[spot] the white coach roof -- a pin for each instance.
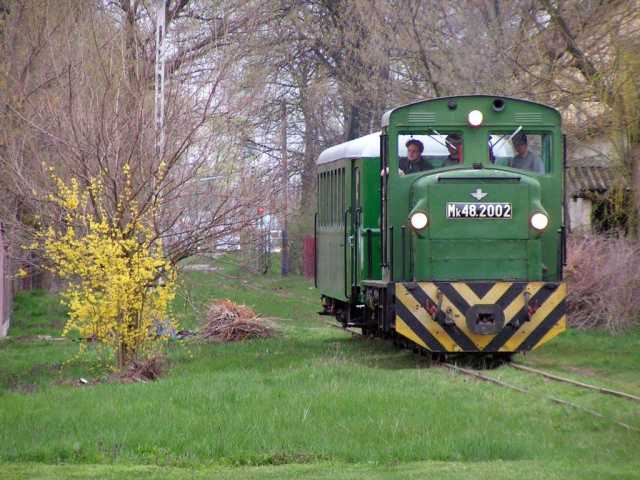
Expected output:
(367, 146)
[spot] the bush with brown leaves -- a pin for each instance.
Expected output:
(229, 322)
(142, 370)
(603, 277)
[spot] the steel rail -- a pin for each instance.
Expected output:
(558, 378)
(485, 378)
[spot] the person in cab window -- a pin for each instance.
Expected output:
(414, 162)
(525, 158)
(454, 145)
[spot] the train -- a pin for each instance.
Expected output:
(445, 229)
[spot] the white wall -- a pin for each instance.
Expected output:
(579, 214)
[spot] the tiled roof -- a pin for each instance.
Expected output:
(581, 180)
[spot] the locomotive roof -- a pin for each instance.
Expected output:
(387, 114)
(367, 146)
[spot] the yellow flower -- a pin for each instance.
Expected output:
(120, 285)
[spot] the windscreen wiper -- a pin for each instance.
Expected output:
(503, 136)
(445, 144)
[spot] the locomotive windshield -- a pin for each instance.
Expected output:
(425, 152)
(522, 150)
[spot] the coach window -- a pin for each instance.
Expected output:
(319, 196)
(327, 187)
(325, 199)
(339, 197)
(342, 196)
(417, 153)
(332, 198)
(356, 190)
(520, 149)
(322, 199)
(338, 217)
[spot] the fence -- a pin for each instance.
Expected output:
(309, 256)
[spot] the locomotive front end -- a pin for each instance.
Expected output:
(477, 266)
(446, 229)
(476, 260)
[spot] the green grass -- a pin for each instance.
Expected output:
(498, 470)
(34, 356)
(292, 299)
(311, 402)
(594, 356)
(37, 313)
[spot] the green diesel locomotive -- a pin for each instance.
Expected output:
(446, 229)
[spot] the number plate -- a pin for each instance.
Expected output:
(478, 210)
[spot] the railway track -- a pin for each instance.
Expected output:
(486, 378)
(548, 375)
(586, 386)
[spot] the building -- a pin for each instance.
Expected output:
(591, 178)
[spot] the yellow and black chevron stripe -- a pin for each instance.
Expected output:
(434, 314)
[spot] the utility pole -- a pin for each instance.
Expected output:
(284, 261)
(5, 292)
(161, 24)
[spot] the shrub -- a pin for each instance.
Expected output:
(603, 276)
(119, 285)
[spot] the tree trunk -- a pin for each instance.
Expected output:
(353, 128)
(311, 152)
(634, 226)
(5, 291)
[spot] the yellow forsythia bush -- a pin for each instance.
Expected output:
(119, 285)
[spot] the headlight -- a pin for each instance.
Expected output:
(539, 221)
(419, 220)
(475, 118)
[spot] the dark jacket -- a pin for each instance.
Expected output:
(412, 167)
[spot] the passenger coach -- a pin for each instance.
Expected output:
(459, 249)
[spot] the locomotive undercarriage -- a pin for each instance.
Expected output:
(497, 318)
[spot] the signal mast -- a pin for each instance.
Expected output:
(161, 23)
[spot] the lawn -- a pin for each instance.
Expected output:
(312, 402)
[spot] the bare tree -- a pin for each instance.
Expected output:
(583, 58)
(81, 102)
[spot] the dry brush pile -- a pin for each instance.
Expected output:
(603, 276)
(229, 322)
(143, 370)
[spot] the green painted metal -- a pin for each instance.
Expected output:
(334, 204)
(447, 249)
(359, 241)
(476, 249)
(366, 192)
